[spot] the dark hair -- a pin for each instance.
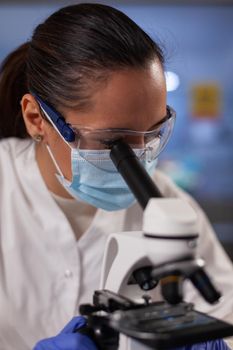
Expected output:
(76, 48)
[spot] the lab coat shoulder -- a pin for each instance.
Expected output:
(10, 150)
(6, 163)
(14, 201)
(10, 166)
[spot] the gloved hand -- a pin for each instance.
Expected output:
(218, 344)
(67, 340)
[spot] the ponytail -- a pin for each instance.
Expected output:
(13, 85)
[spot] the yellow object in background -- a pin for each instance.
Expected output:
(206, 100)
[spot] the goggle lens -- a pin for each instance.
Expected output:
(149, 144)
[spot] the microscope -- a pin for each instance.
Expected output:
(123, 316)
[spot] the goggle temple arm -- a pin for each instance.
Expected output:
(57, 120)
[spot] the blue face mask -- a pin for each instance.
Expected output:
(97, 181)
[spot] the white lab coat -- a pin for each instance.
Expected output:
(45, 273)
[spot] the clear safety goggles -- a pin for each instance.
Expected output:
(148, 144)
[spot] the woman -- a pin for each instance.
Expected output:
(87, 71)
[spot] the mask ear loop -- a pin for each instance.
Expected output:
(55, 162)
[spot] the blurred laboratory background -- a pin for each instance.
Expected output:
(197, 40)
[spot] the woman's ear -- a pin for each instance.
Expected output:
(34, 122)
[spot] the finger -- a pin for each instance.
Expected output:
(72, 341)
(218, 344)
(76, 323)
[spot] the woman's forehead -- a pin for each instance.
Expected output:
(132, 97)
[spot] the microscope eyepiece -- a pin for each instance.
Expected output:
(133, 172)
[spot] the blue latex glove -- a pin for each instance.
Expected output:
(67, 340)
(218, 344)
